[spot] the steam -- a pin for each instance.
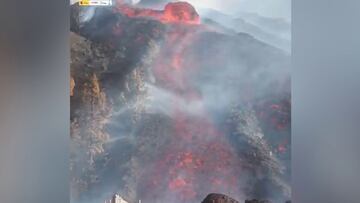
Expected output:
(193, 127)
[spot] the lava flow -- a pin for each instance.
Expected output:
(183, 150)
(199, 158)
(175, 12)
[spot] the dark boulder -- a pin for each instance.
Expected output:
(218, 198)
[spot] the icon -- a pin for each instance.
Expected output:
(95, 2)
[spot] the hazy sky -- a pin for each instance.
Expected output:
(269, 8)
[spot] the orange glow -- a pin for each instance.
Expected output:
(282, 148)
(180, 12)
(198, 153)
(177, 183)
(176, 12)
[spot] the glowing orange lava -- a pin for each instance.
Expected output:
(199, 158)
(180, 12)
(175, 12)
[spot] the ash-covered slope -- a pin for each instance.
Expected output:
(276, 32)
(172, 110)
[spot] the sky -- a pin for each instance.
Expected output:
(267, 8)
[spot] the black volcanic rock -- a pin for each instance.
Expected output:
(218, 198)
(256, 201)
(113, 57)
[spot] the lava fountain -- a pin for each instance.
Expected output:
(175, 12)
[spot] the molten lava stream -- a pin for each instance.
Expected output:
(199, 158)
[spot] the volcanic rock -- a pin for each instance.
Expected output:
(115, 65)
(256, 201)
(72, 85)
(118, 199)
(218, 198)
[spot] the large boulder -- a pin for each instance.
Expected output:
(218, 198)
